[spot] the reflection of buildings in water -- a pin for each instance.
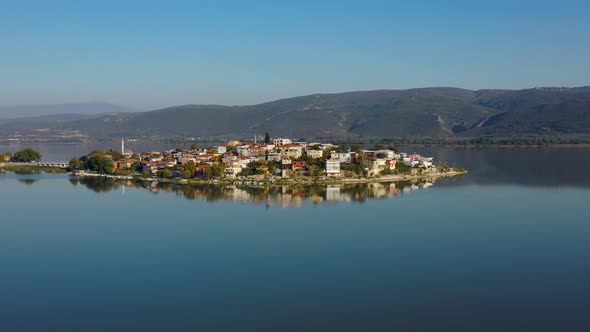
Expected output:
(392, 189)
(153, 187)
(377, 190)
(427, 185)
(278, 196)
(316, 199)
(333, 193)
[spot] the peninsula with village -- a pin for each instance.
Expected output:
(261, 161)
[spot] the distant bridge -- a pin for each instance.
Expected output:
(55, 165)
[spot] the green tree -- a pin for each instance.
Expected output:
(194, 146)
(402, 168)
(6, 156)
(74, 163)
(186, 174)
(100, 163)
(267, 139)
(164, 173)
(246, 171)
(387, 171)
(342, 149)
(362, 161)
(116, 155)
(188, 170)
(253, 168)
(315, 171)
(273, 166)
(27, 155)
(136, 167)
(215, 171)
(97, 152)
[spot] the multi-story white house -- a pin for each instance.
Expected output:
(314, 153)
(273, 156)
(292, 151)
(228, 158)
(281, 141)
(245, 161)
(232, 171)
(332, 167)
(343, 157)
(244, 150)
(220, 149)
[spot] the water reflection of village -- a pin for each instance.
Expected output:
(277, 196)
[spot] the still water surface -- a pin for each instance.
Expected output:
(503, 248)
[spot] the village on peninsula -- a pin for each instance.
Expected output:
(262, 160)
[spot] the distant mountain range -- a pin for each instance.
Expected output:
(424, 112)
(27, 111)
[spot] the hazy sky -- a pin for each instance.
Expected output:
(150, 54)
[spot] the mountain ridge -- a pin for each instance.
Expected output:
(82, 108)
(419, 112)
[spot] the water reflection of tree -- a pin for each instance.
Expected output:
(28, 182)
(210, 193)
(26, 171)
(96, 184)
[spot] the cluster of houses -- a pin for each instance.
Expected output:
(289, 156)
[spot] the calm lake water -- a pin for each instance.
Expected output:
(504, 248)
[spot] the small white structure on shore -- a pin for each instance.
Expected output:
(129, 152)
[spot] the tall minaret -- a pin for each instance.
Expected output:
(122, 145)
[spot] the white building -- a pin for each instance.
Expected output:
(244, 162)
(244, 150)
(273, 156)
(332, 167)
(314, 153)
(281, 141)
(232, 171)
(228, 158)
(389, 154)
(343, 157)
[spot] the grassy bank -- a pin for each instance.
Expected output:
(33, 169)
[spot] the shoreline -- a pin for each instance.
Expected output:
(283, 181)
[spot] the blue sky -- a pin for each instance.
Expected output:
(150, 54)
